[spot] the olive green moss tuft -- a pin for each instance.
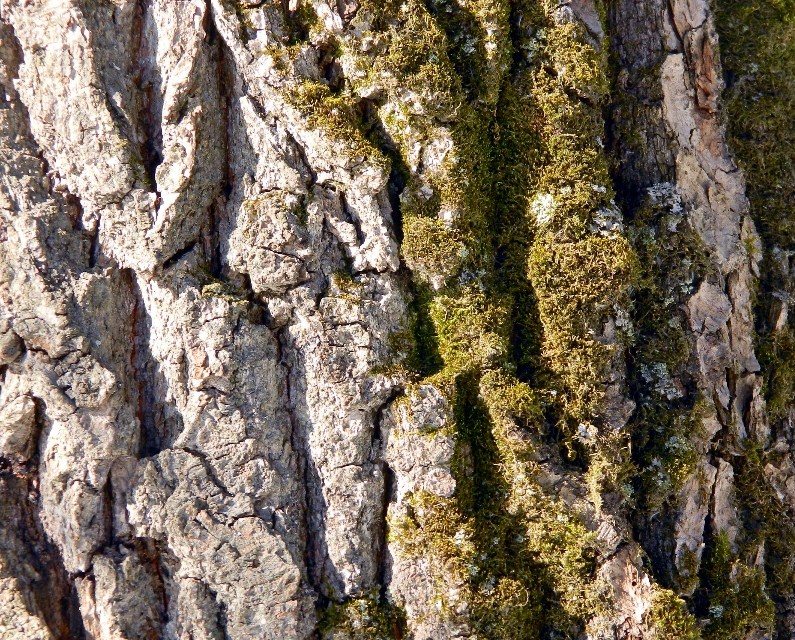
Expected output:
(506, 270)
(366, 618)
(736, 594)
(431, 249)
(337, 117)
(579, 284)
(767, 519)
(582, 269)
(670, 619)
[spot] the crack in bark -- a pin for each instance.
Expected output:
(140, 363)
(176, 257)
(211, 241)
(313, 554)
(208, 469)
(151, 107)
(389, 493)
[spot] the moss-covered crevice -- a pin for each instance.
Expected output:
(732, 600)
(367, 618)
(490, 115)
(580, 265)
(670, 618)
(765, 561)
(502, 273)
(668, 437)
(758, 55)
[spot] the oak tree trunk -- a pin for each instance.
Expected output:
(391, 319)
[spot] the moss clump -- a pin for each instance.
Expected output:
(431, 249)
(223, 290)
(668, 436)
(687, 569)
(477, 32)
(758, 51)
(212, 287)
(503, 600)
(737, 600)
(337, 117)
(367, 618)
(524, 561)
(580, 266)
(518, 145)
(424, 359)
(575, 170)
(470, 329)
(777, 355)
(445, 209)
(536, 562)
(343, 284)
(769, 520)
(669, 618)
(579, 284)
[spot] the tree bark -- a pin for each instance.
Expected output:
(391, 319)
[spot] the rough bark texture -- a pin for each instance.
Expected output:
(390, 319)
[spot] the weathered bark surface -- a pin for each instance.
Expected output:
(381, 319)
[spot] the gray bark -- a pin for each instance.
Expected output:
(221, 413)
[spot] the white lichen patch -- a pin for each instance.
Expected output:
(543, 208)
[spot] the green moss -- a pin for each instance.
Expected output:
(687, 571)
(421, 82)
(344, 283)
(579, 284)
(431, 249)
(424, 359)
(525, 560)
(367, 618)
(579, 67)
(536, 562)
(304, 22)
(667, 428)
(575, 171)
(768, 520)
(510, 564)
(518, 150)
(337, 117)
(470, 330)
(581, 268)
(737, 597)
(670, 619)
(477, 32)
(777, 355)
(224, 290)
(758, 52)
(212, 287)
